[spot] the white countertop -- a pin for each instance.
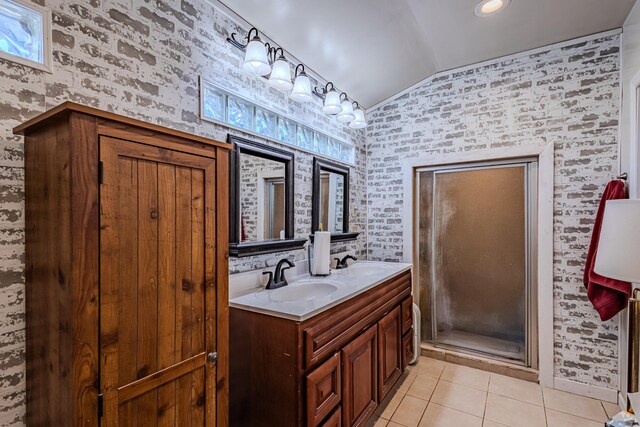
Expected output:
(330, 291)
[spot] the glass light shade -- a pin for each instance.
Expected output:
(280, 75)
(301, 91)
(619, 243)
(359, 122)
(332, 102)
(255, 58)
(346, 115)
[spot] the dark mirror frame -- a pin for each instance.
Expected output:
(243, 249)
(320, 165)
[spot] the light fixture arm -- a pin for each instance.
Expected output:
(272, 53)
(239, 44)
(321, 92)
(346, 97)
(301, 68)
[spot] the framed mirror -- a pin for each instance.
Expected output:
(261, 199)
(330, 200)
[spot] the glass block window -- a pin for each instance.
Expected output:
(286, 131)
(24, 33)
(239, 113)
(213, 104)
(304, 138)
(266, 123)
(223, 107)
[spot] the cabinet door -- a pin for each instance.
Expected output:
(323, 390)
(157, 286)
(389, 351)
(360, 378)
(335, 420)
(407, 348)
(407, 314)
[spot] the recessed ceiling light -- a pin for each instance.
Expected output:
(491, 7)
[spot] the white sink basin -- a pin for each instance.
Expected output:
(303, 290)
(365, 269)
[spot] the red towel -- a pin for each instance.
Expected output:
(608, 296)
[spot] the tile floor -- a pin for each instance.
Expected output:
(439, 394)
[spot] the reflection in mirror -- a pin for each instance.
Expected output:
(262, 198)
(331, 202)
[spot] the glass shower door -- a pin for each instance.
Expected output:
(474, 257)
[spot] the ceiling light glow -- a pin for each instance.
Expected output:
(491, 7)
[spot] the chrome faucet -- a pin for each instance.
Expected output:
(342, 263)
(277, 279)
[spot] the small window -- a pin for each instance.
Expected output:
(25, 34)
(320, 143)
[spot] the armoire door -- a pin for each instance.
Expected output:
(360, 378)
(157, 286)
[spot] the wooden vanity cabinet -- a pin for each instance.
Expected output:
(126, 272)
(330, 370)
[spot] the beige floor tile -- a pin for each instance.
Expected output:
(406, 381)
(409, 411)
(514, 413)
(560, 419)
(461, 398)
(611, 408)
(468, 377)
(441, 416)
(392, 424)
(489, 423)
(380, 422)
(431, 367)
(516, 389)
(422, 387)
(391, 407)
(573, 404)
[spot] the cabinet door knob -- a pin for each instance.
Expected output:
(212, 357)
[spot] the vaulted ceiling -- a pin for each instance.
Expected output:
(373, 49)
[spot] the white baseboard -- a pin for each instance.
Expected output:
(622, 401)
(600, 393)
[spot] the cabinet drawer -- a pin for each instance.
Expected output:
(344, 322)
(407, 314)
(335, 420)
(407, 348)
(323, 390)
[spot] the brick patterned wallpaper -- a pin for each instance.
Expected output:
(565, 95)
(140, 58)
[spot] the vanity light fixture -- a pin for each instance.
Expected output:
(269, 62)
(301, 91)
(360, 121)
(280, 77)
(256, 58)
(346, 115)
(490, 7)
(331, 99)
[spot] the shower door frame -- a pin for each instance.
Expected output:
(545, 154)
(530, 165)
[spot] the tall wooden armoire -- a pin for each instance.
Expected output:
(126, 272)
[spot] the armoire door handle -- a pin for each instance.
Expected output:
(212, 357)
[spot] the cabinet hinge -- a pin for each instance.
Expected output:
(100, 407)
(100, 172)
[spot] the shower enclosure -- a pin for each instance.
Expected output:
(475, 258)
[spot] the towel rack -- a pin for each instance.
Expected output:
(623, 176)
